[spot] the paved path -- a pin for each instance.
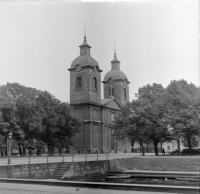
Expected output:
(82, 157)
(67, 158)
(11, 188)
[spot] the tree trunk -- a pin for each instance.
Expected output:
(155, 142)
(50, 150)
(59, 150)
(132, 145)
(23, 150)
(67, 149)
(20, 149)
(179, 147)
(6, 152)
(143, 153)
(189, 145)
(3, 152)
(20, 153)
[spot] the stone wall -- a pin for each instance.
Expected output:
(29, 171)
(83, 170)
(77, 170)
(116, 166)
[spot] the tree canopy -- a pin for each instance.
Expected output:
(33, 114)
(161, 114)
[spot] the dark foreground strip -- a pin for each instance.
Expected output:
(115, 186)
(162, 173)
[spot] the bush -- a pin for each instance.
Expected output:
(174, 152)
(187, 151)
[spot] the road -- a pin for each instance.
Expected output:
(11, 188)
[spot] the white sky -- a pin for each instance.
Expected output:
(156, 41)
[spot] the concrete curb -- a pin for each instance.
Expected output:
(163, 172)
(114, 186)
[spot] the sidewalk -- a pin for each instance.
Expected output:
(15, 160)
(66, 158)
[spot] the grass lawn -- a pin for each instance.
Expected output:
(169, 163)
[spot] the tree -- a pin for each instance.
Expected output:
(59, 123)
(121, 124)
(143, 117)
(67, 124)
(195, 140)
(8, 121)
(182, 102)
(25, 113)
(40, 116)
(131, 124)
(151, 104)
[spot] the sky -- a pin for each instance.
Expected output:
(156, 41)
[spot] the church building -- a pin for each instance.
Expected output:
(85, 96)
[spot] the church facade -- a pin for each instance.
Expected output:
(85, 96)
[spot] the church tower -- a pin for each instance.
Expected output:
(95, 134)
(85, 97)
(85, 77)
(116, 83)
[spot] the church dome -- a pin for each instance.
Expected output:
(84, 60)
(115, 74)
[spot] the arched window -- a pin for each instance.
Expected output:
(111, 90)
(78, 83)
(94, 83)
(124, 94)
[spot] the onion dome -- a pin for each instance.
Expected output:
(115, 72)
(84, 58)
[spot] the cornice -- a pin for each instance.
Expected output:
(85, 66)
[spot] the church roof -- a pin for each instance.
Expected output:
(105, 101)
(84, 60)
(110, 103)
(85, 43)
(115, 72)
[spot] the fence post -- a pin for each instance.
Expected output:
(29, 162)
(73, 160)
(114, 167)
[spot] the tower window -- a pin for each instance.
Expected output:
(78, 83)
(124, 93)
(111, 90)
(94, 84)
